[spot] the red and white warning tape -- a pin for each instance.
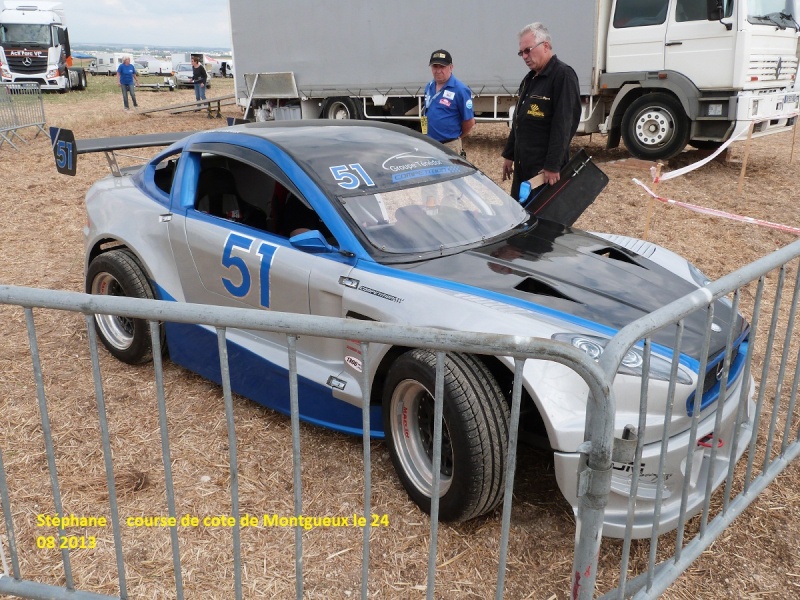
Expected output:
(719, 213)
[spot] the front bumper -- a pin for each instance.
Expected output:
(616, 513)
(770, 111)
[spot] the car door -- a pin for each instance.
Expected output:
(228, 262)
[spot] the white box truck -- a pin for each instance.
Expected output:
(106, 63)
(34, 46)
(655, 73)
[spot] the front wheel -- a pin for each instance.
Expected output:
(654, 126)
(475, 433)
(118, 273)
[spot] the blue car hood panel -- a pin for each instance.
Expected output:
(582, 276)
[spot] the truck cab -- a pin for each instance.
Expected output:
(698, 71)
(34, 46)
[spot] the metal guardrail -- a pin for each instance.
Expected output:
(774, 443)
(775, 440)
(21, 106)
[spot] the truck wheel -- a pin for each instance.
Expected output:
(340, 108)
(84, 82)
(655, 127)
(475, 433)
(118, 273)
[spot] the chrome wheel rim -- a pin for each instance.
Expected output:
(117, 330)
(412, 425)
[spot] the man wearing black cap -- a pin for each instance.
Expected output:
(448, 115)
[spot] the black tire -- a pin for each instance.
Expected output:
(705, 144)
(475, 433)
(655, 127)
(84, 81)
(118, 273)
(340, 107)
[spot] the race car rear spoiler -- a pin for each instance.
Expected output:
(66, 148)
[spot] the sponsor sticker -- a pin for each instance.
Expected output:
(444, 101)
(353, 362)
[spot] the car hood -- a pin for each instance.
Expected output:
(582, 277)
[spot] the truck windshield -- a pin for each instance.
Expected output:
(776, 13)
(25, 34)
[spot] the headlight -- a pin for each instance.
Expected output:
(594, 346)
(52, 73)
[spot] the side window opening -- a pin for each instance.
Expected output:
(640, 13)
(690, 10)
(165, 174)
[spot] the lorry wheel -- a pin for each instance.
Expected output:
(474, 433)
(118, 273)
(339, 108)
(655, 127)
(84, 82)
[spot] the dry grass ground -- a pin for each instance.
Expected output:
(42, 246)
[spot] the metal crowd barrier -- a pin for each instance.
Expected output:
(21, 106)
(759, 291)
(775, 442)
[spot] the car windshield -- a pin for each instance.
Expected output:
(184, 67)
(435, 216)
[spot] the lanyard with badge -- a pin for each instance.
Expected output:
(423, 120)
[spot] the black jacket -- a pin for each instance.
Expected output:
(199, 74)
(546, 117)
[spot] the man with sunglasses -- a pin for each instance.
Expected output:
(448, 115)
(547, 113)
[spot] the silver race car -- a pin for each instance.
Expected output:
(377, 222)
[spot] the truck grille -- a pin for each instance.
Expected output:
(772, 68)
(38, 64)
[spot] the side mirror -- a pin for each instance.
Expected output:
(311, 241)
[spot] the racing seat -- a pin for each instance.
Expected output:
(217, 195)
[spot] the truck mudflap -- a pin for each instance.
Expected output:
(675, 469)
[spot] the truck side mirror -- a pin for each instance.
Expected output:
(715, 10)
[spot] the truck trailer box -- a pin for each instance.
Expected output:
(654, 73)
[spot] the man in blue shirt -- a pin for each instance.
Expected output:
(448, 115)
(127, 79)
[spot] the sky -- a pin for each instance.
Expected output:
(194, 23)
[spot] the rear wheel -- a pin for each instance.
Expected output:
(340, 108)
(118, 273)
(654, 126)
(475, 433)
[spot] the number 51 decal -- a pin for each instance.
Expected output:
(235, 262)
(351, 176)
(63, 141)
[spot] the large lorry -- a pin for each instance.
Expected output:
(654, 73)
(34, 46)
